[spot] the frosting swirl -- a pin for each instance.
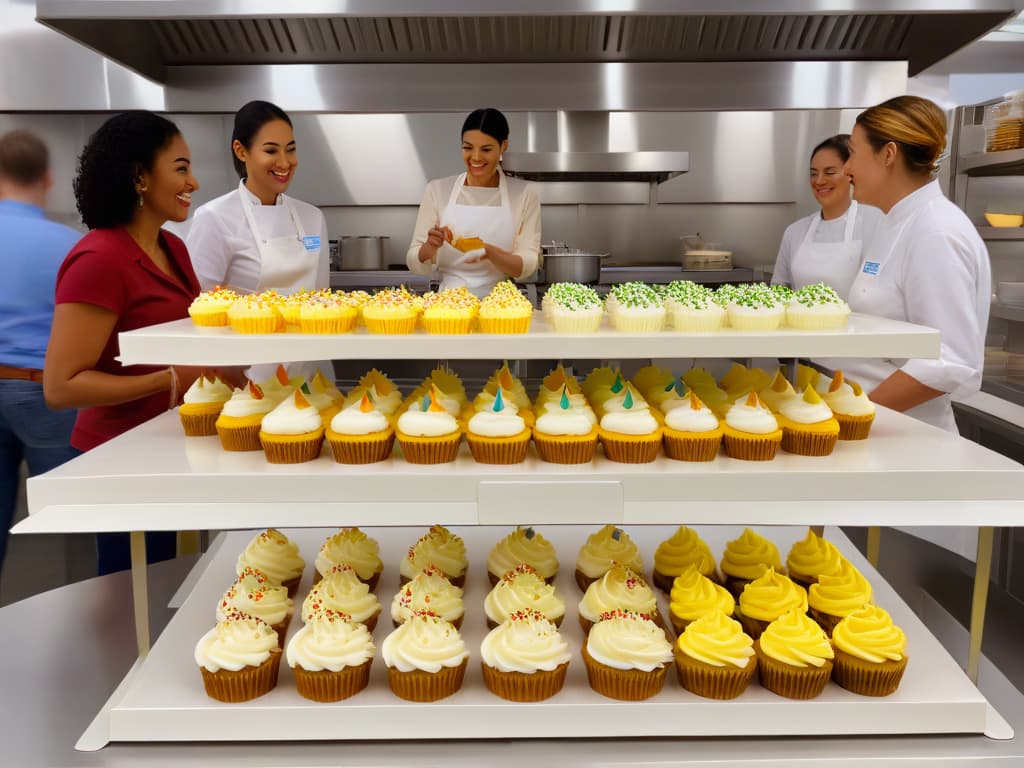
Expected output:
(869, 634)
(438, 547)
(207, 390)
(427, 423)
(354, 547)
(750, 416)
(496, 424)
(274, 554)
(682, 549)
(523, 545)
(628, 641)
(620, 588)
(526, 642)
(606, 547)
(425, 643)
(237, 642)
(293, 416)
(341, 590)
(694, 595)
(429, 591)
(355, 421)
(718, 640)
(254, 595)
(809, 409)
(813, 556)
(795, 639)
(330, 643)
(691, 416)
(842, 593)
(771, 595)
(749, 556)
(522, 589)
(248, 402)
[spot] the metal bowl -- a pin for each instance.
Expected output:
(573, 267)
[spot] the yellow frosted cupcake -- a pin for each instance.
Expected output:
(812, 557)
(391, 311)
(601, 551)
(807, 425)
(341, 590)
(256, 313)
(871, 652)
(525, 658)
(505, 310)
(429, 590)
(692, 432)
(750, 431)
(452, 311)
(360, 434)
(834, 597)
(626, 656)
(794, 657)
(210, 308)
(677, 553)
(202, 404)
(353, 547)
(694, 595)
(747, 558)
(628, 431)
(238, 659)
(293, 432)
(714, 658)
(497, 434)
(850, 407)
(520, 589)
(777, 392)
(427, 433)
(326, 314)
(523, 545)
(620, 588)
(439, 547)
(766, 598)
(238, 424)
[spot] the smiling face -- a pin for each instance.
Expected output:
(270, 161)
(867, 168)
(831, 187)
(481, 154)
(169, 184)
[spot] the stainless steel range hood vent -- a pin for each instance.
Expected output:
(650, 167)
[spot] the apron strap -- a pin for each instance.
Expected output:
(851, 218)
(247, 209)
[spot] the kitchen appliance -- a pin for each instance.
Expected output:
(570, 265)
(701, 254)
(362, 252)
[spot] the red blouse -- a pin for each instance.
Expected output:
(107, 268)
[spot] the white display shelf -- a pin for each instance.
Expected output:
(180, 342)
(155, 478)
(165, 701)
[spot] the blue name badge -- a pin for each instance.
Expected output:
(871, 267)
(312, 242)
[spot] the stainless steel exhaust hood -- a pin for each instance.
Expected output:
(650, 167)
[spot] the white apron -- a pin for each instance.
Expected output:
(287, 264)
(494, 225)
(832, 263)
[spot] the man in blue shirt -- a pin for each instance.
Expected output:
(31, 251)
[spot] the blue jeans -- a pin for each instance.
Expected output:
(31, 432)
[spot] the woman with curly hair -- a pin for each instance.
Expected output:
(133, 175)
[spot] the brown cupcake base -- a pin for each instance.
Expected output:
(809, 443)
(623, 684)
(854, 427)
(711, 682)
(325, 685)
(865, 677)
(664, 582)
(245, 684)
(520, 686)
(789, 681)
(421, 686)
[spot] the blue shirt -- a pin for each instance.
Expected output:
(32, 248)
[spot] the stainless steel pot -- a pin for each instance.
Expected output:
(571, 266)
(362, 252)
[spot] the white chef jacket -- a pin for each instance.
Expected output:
(523, 198)
(829, 232)
(927, 265)
(223, 248)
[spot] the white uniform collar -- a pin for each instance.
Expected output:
(253, 199)
(913, 201)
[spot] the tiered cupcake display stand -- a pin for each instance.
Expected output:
(154, 478)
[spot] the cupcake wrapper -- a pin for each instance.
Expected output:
(448, 326)
(430, 450)
(753, 627)
(390, 325)
(520, 686)
(505, 325)
(766, 322)
(753, 448)
(356, 449)
(292, 585)
(199, 424)
(824, 620)
(630, 449)
(566, 449)
(791, 682)
(325, 685)
(562, 323)
(735, 585)
(297, 449)
(691, 448)
(419, 686)
(713, 682)
(854, 427)
(808, 443)
(503, 450)
(698, 323)
(328, 325)
(240, 438)
(257, 324)
(623, 684)
(866, 678)
(583, 581)
(210, 319)
(642, 324)
(245, 684)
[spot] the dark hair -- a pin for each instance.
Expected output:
(489, 121)
(248, 121)
(917, 126)
(24, 158)
(110, 164)
(840, 144)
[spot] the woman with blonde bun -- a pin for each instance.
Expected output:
(925, 264)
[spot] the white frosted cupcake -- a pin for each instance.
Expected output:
(817, 307)
(635, 307)
(426, 659)
(523, 545)
(430, 590)
(341, 590)
(202, 404)
(626, 656)
(691, 307)
(572, 308)
(755, 307)
(521, 589)
(525, 658)
(330, 657)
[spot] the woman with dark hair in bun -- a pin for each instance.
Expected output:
(256, 237)
(134, 175)
(926, 263)
(481, 226)
(827, 245)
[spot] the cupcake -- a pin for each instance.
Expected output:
(777, 392)
(429, 590)
(239, 659)
(747, 558)
(566, 433)
(202, 404)
(619, 589)
(254, 595)
(353, 547)
(439, 547)
(451, 311)
(694, 595)
(293, 432)
(812, 557)
(714, 658)
(505, 310)
(391, 311)
(523, 545)
(210, 308)
(326, 314)
(497, 434)
(256, 313)
(238, 424)
(280, 386)
(794, 657)
(626, 656)
(807, 425)
(601, 551)
(522, 589)
(871, 652)
(851, 408)
(340, 590)
(750, 431)
(630, 434)
(755, 307)
(817, 307)
(276, 556)
(427, 433)
(572, 308)
(691, 307)
(682, 549)
(524, 658)
(707, 389)
(692, 432)
(766, 598)
(383, 394)
(836, 596)
(426, 659)
(330, 657)
(635, 307)
(360, 434)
